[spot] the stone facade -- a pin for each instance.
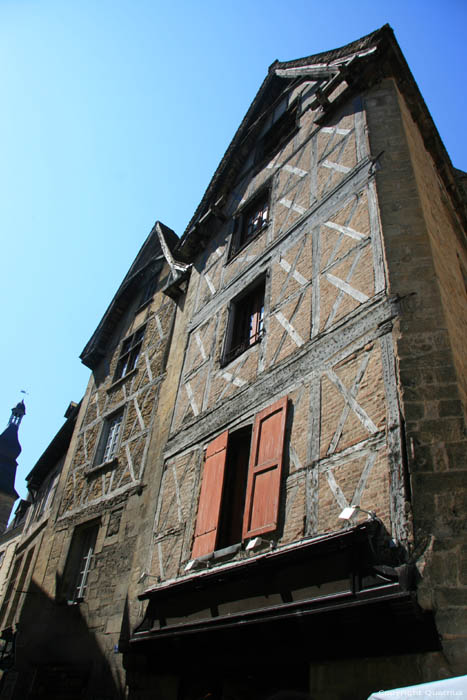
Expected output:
(426, 251)
(302, 353)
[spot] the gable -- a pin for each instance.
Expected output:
(150, 258)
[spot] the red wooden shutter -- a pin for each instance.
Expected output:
(210, 497)
(264, 473)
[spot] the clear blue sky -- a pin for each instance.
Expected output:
(115, 113)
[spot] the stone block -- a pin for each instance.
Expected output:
(457, 455)
(443, 569)
(446, 375)
(452, 622)
(450, 408)
(414, 411)
(455, 651)
(423, 458)
(113, 625)
(451, 597)
(445, 429)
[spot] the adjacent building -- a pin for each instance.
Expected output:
(265, 488)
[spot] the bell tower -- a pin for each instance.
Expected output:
(9, 451)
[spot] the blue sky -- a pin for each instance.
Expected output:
(115, 114)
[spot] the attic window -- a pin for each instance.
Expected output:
(278, 134)
(148, 291)
(129, 353)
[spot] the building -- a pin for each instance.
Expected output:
(324, 368)
(23, 544)
(92, 478)
(265, 489)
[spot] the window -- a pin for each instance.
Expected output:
(19, 588)
(148, 291)
(80, 561)
(234, 491)
(278, 134)
(7, 648)
(129, 353)
(109, 441)
(240, 486)
(45, 496)
(10, 590)
(246, 322)
(252, 220)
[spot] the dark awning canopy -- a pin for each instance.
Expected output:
(333, 590)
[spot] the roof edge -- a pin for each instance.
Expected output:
(92, 352)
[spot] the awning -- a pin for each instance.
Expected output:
(327, 590)
(448, 688)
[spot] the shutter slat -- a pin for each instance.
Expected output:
(210, 498)
(265, 470)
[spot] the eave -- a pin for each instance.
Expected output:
(55, 450)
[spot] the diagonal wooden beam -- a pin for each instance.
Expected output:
(357, 409)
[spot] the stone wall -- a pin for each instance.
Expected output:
(423, 244)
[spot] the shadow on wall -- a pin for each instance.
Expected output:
(57, 655)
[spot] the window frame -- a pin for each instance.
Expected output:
(246, 318)
(278, 134)
(130, 351)
(258, 206)
(263, 478)
(254, 207)
(147, 293)
(10, 589)
(108, 440)
(80, 561)
(19, 587)
(44, 496)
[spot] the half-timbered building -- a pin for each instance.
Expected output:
(265, 489)
(323, 379)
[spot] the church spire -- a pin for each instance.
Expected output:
(9, 451)
(17, 413)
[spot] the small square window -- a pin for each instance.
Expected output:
(110, 439)
(253, 219)
(129, 353)
(246, 322)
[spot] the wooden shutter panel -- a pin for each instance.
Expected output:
(210, 497)
(264, 473)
